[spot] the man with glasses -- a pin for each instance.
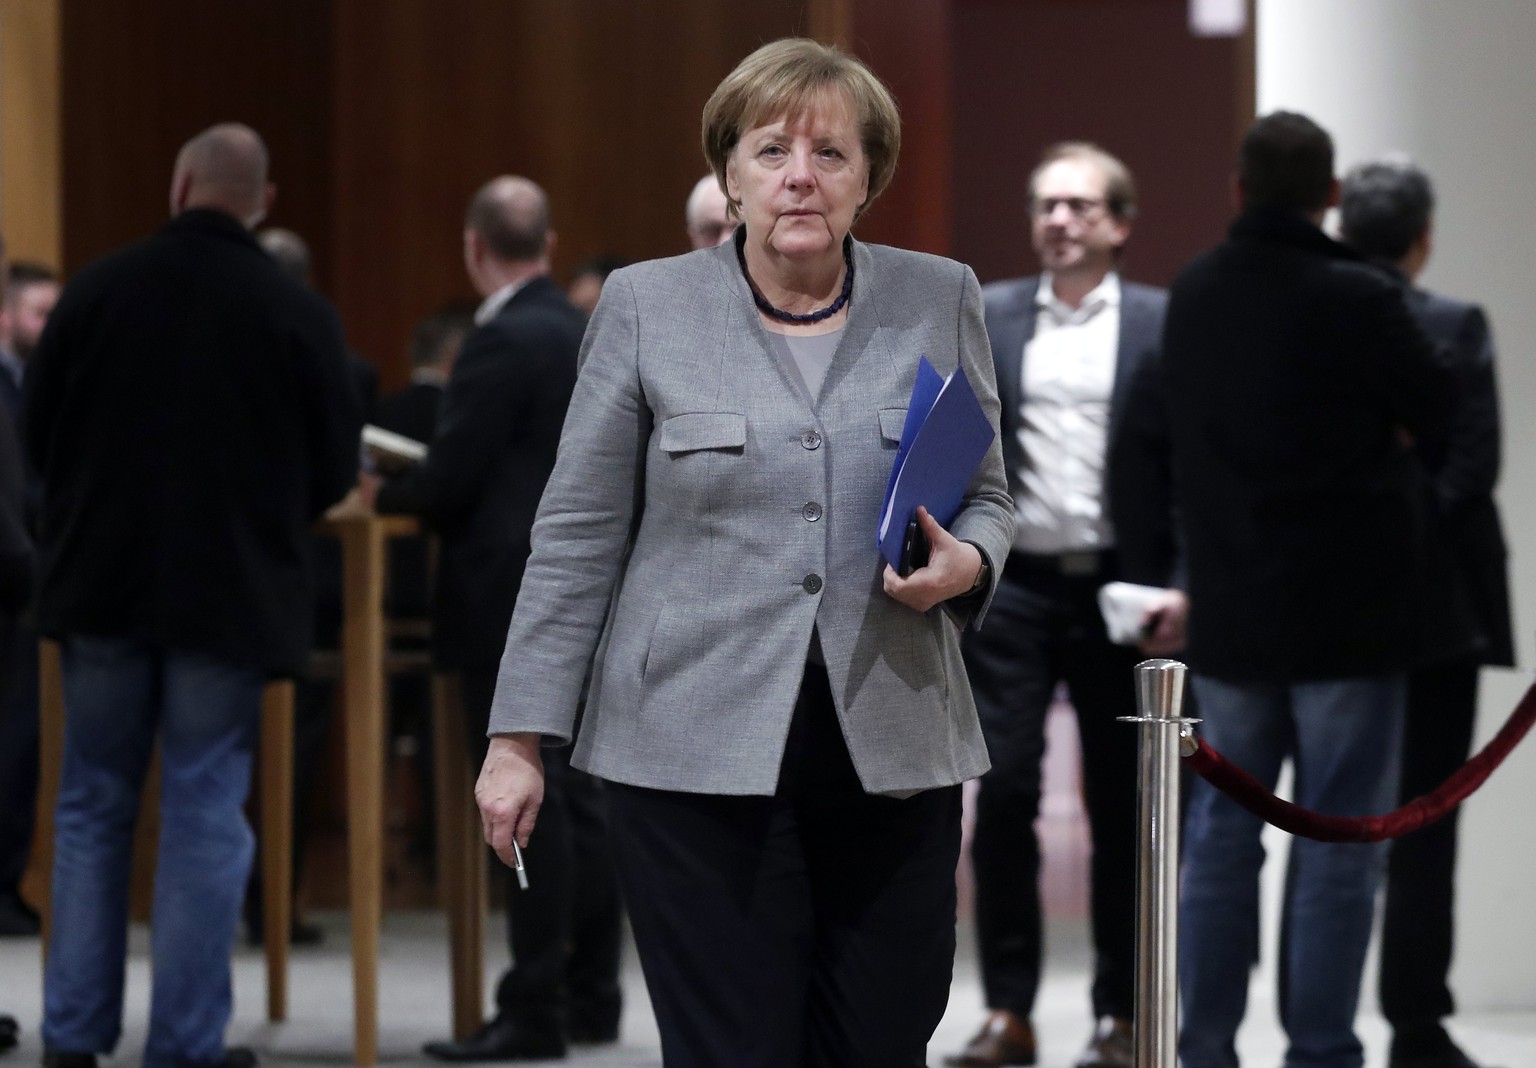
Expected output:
(1067, 344)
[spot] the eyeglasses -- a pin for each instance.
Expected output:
(1080, 207)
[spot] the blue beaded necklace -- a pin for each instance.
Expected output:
(790, 317)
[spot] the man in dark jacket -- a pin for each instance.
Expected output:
(1385, 214)
(191, 415)
(479, 487)
(1296, 381)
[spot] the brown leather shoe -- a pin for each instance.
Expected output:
(1003, 1040)
(1112, 1045)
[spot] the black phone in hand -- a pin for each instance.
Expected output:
(914, 549)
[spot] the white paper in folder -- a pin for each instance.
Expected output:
(392, 444)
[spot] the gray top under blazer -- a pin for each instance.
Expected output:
(703, 517)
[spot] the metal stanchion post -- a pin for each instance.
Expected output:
(1159, 700)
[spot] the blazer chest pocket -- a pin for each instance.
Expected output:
(891, 422)
(699, 431)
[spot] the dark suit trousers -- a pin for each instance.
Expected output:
(565, 931)
(18, 749)
(1418, 929)
(811, 929)
(1043, 628)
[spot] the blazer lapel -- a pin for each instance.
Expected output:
(1010, 329)
(1136, 324)
(863, 320)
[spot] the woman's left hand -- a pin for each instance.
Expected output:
(951, 569)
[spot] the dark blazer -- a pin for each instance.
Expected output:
(16, 557)
(1467, 586)
(494, 448)
(413, 411)
(1010, 318)
(190, 411)
(1294, 372)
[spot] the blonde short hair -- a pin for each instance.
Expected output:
(789, 77)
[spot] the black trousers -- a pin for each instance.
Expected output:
(1418, 923)
(18, 749)
(1043, 628)
(811, 929)
(565, 932)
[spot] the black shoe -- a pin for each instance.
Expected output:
(594, 1021)
(1440, 1053)
(17, 918)
(9, 1030)
(54, 1058)
(503, 1039)
(591, 1033)
(234, 1057)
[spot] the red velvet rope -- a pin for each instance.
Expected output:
(1250, 793)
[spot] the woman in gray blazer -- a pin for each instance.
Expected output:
(783, 720)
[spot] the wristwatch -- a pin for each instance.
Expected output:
(983, 574)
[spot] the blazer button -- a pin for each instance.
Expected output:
(812, 512)
(810, 440)
(812, 584)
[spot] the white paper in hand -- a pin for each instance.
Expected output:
(1124, 605)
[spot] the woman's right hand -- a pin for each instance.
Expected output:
(509, 791)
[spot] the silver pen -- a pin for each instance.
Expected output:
(517, 865)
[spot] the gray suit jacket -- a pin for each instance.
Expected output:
(702, 518)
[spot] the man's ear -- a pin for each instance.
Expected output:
(181, 185)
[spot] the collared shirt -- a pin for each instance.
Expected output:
(1065, 386)
(430, 376)
(492, 305)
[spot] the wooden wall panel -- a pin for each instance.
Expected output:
(598, 102)
(29, 129)
(1124, 73)
(908, 44)
(140, 79)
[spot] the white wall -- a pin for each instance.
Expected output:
(1452, 84)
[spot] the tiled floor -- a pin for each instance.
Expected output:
(413, 987)
(414, 1006)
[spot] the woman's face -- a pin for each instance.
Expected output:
(800, 179)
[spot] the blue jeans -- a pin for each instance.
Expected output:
(120, 694)
(1344, 737)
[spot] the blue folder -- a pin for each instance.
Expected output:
(943, 442)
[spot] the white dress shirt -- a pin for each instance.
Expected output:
(492, 305)
(1065, 386)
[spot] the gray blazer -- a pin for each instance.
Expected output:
(703, 517)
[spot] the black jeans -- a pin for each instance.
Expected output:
(565, 931)
(1044, 628)
(811, 929)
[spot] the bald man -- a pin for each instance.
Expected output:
(479, 487)
(708, 215)
(189, 409)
